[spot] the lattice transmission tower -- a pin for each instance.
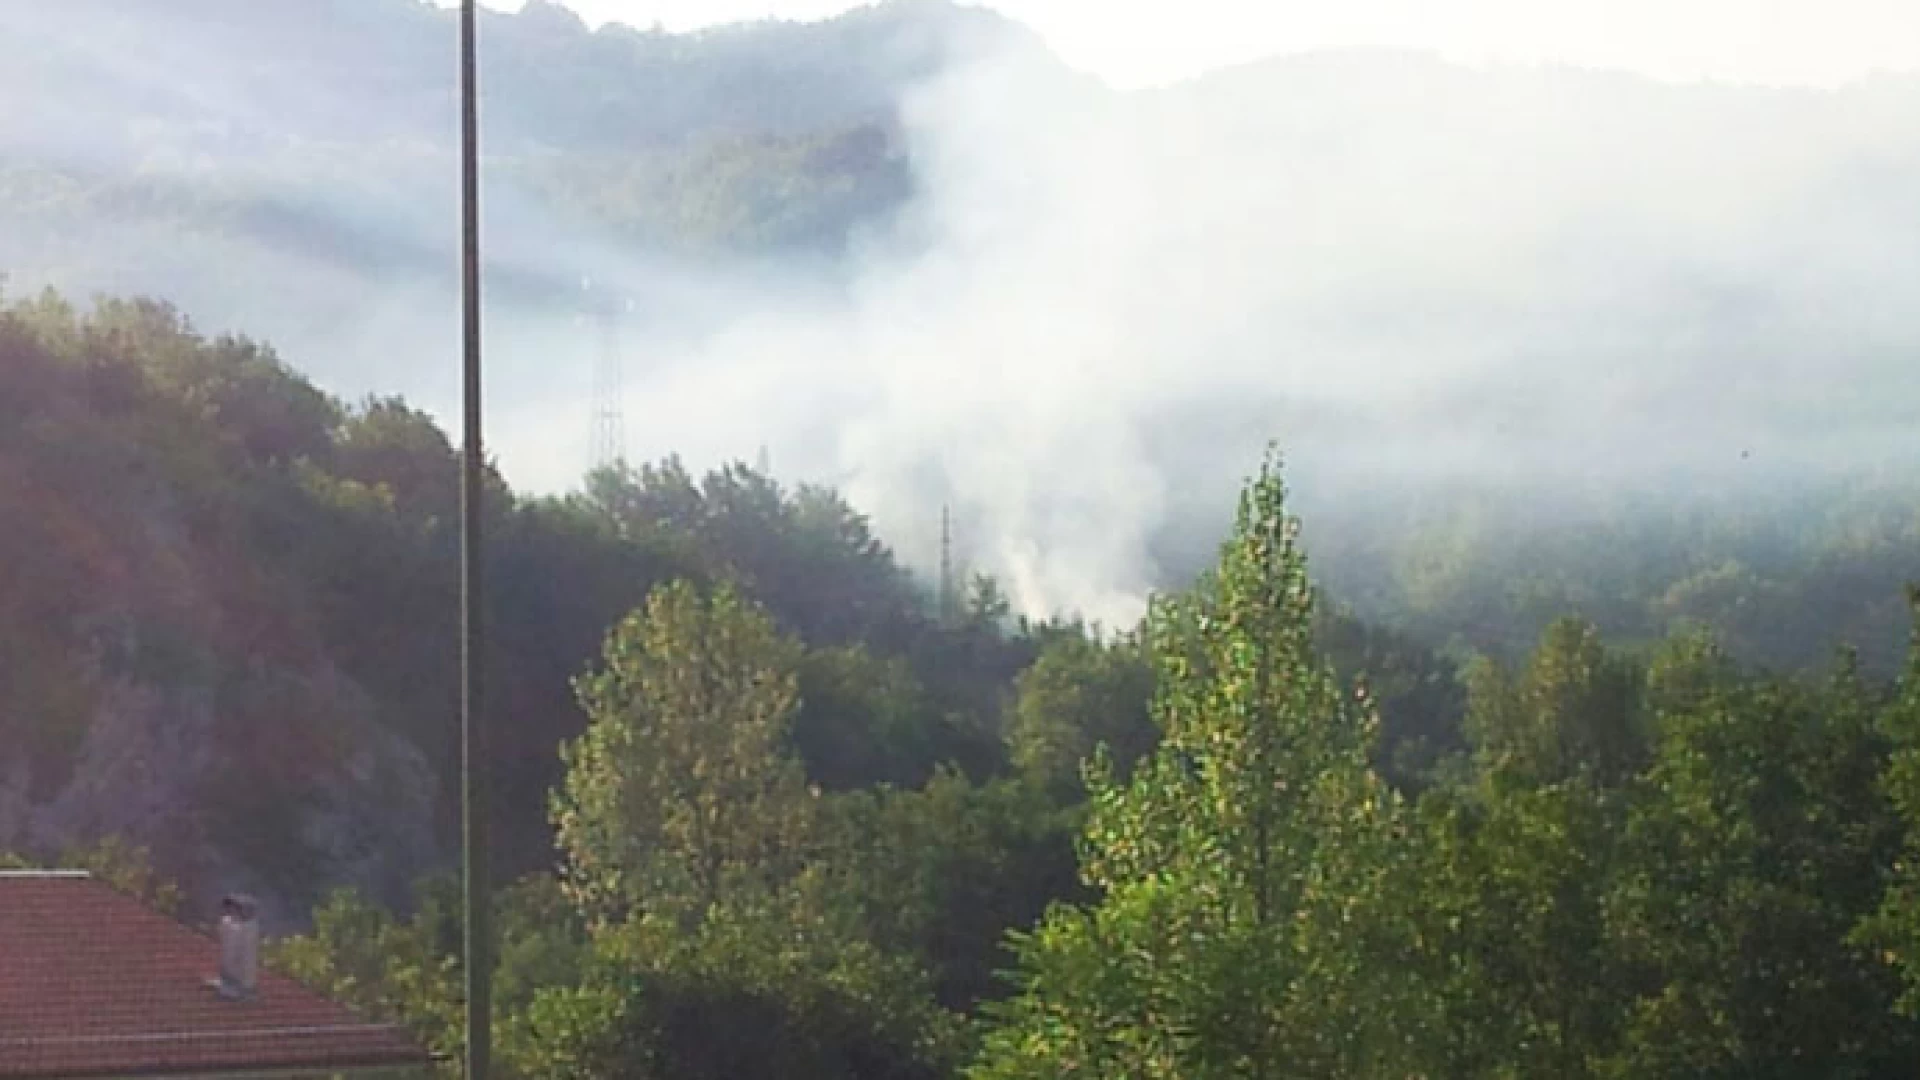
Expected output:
(946, 602)
(608, 438)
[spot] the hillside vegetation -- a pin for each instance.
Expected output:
(768, 803)
(229, 591)
(1604, 764)
(229, 597)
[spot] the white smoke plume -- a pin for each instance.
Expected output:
(1098, 306)
(1101, 305)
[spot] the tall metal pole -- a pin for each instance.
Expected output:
(473, 756)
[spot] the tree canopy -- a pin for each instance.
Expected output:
(765, 809)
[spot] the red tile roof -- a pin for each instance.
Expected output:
(95, 983)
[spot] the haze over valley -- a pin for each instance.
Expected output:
(919, 258)
(1325, 535)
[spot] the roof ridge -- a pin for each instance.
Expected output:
(207, 1034)
(44, 873)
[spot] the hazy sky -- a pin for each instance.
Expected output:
(1134, 42)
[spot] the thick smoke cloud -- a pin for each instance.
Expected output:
(1099, 306)
(1102, 304)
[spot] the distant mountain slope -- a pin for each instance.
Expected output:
(228, 601)
(237, 73)
(139, 141)
(288, 166)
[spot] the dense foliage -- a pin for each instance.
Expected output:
(198, 538)
(769, 809)
(1670, 869)
(1634, 865)
(1782, 565)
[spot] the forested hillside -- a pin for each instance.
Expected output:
(1782, 567)
(322, 127)
(1666, 866)
(1587, 745)
(228, 601)
(768, 802)
(230, 592)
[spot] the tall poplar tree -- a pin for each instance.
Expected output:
(1245, 866)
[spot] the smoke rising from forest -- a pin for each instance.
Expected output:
(1097, 307)
(1406, 272)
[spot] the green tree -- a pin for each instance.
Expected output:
(1893, 929)
(806, 555)
(944, 872)
(1573, 711)
(1421, 698)
(863, 720)
(1079, 694)
(1512, 937)
(1516, 862)
(724, 938)
(1758, 843)
(387, 443)
(987, 604)
(404, 971)
(779, 985)
(683, 788)
(1241, 930)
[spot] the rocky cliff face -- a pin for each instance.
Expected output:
(158, 766)
(239, 755)
(167, 675)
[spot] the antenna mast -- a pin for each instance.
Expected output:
(946, 598)
(609, 424)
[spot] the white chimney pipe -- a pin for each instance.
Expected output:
(239, 948)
